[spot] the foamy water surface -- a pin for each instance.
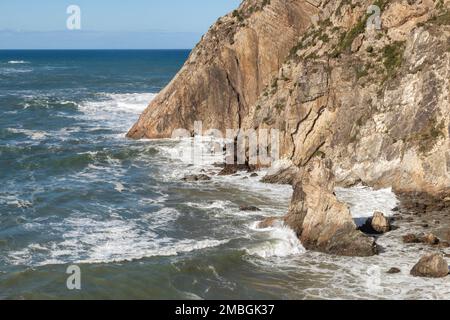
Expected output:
(74, 190)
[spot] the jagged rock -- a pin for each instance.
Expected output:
(378, 224)
(432, 266)
(430, 239)
(254, 175)
(282, 172)
(268, 223)
(228, 170)
(340, 104)
(249, 208)
(228, 69)
(321, 222)
(357, 43)
(394, 270)
(196, 177)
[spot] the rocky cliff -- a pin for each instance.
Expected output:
(320, 221)
(227, 71)
(373, 98)
(376, 102)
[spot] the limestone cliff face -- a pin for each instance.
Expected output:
(375, 102)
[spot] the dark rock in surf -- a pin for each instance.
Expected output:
(378, 224)
(196, 177)
(394, 270)
(249, 208)
(411, 238)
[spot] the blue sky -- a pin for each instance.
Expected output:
(113, 24)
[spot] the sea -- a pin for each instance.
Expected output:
(76, 193)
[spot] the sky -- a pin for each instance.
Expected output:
(108, 24)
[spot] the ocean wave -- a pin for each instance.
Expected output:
(9, 71)
(86, 240)
(47, 102)
(18, 62)
(116, 110)
(281, 241)
(32, 134)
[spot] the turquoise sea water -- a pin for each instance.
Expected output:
(75, 191)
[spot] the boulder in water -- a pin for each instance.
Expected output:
(321, 221)
(431, 266)
(394, 270)
(378, 224)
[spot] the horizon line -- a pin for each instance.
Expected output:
(102, 49)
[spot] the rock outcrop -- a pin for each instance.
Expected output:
(378, 224)
(321, 222)
(376, 102)
(227, 71)
(282, 172)
(431, 266)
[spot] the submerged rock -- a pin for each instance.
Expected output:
(196, 177)
(268, 223)
(322, 222)
(394, 270)
(432, 266)
(411, 238)
(249, 208)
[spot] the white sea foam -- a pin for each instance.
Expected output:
(8, 71)
(281, 242)
(364, 201)
(32, 134)
(17, 62)
(116, 110)
(119, 187)
(87, 240)
(13, 200)
(220, 205)
(198, 152)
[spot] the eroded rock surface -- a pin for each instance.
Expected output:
(432, 266)
(321, 221)
(374, 102)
